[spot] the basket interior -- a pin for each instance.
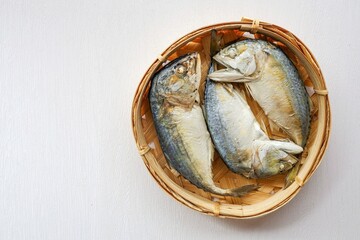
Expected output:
(222, 176)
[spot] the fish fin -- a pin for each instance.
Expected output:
(229, 87)
(241, 191)
(290, 177)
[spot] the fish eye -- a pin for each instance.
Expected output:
(181, 69)
(232, 52)
(266, 51)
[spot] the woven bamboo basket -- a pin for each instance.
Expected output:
(271, 195)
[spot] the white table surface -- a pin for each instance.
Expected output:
(69, 167)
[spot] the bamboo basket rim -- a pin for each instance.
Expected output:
(317, 151)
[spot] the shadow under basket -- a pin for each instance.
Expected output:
(271, 195)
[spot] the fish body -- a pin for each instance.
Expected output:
(237, 136)
(272, 81)
(180, 123)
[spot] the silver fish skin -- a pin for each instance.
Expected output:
(180, 123)
(273, 82)
(237, 136)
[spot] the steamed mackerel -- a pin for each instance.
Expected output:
(273, 82)
(180, 124)
(237, 136)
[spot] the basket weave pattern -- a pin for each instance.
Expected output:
(271, 195)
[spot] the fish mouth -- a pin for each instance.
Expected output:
(225, 75)
(220, 60)
(273, 157)
(230, 74)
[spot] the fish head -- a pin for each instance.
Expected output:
(243, 60)
(272, 157)
(178, 82)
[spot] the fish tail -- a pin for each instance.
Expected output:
(216, 42)
(235, 192)
(290, 177)
(243, 190)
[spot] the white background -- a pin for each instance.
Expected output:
(69, 167)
